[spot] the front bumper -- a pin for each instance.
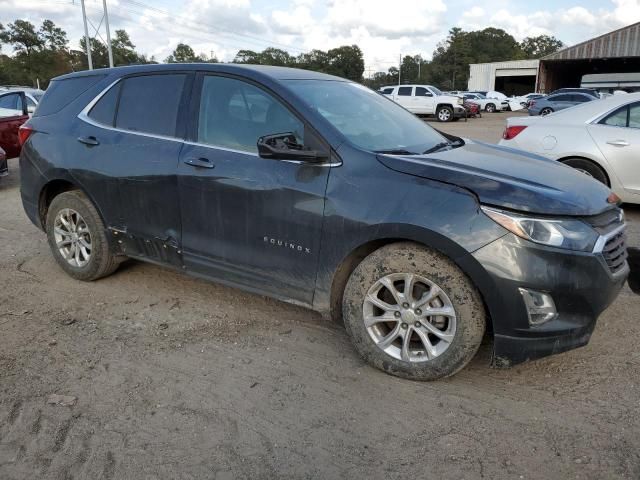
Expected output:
(581, 284)
(459, 112)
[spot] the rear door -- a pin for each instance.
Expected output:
(618, 138)
(247, 220)
(404, 96)
(130, 141)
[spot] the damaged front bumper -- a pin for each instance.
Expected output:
(580, 284)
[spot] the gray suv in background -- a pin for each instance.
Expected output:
(553, 103)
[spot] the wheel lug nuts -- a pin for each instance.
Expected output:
(404, 326)
(405, 305)
(417, 324)
(418, 311)
(396, 314)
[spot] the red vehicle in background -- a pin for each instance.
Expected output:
(4, 171)
(13, 113)
(472, 108)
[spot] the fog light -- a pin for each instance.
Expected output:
(540, 306)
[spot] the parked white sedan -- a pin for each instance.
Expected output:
(599, 138)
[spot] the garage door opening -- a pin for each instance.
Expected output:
(516, 85)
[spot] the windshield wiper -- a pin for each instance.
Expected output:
(395, 151)
(442, 145)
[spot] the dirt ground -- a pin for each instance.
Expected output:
(178, 378)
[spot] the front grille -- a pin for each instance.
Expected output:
(614, 249)
(615, 252)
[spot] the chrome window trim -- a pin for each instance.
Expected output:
(84, 116)
(603, 239)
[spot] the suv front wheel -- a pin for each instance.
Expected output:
(444, 114)
(413, 313)
(77, 237)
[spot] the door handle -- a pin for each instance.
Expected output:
(618, 143)
(199, 162)
(90, 141)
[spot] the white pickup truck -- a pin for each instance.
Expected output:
(426, 100)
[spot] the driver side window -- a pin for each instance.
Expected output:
(234, 114)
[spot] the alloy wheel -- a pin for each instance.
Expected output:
(409, 317)
(444, 115)
(72, 237)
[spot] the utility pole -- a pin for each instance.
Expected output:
(419, 64)
(86, 36)
(399, 68)
(106, 23)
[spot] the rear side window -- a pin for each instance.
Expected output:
(617, 118)
(150, 103)
(62, 92)
(104, 111)
(634, 116)
(560, 98)
(11, 101)
(405, 91)
(580, 98)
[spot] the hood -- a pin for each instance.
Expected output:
(509, 178)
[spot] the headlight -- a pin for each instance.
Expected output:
(561, 233)
(460, 101)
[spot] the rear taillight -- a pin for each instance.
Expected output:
(24, 132)
(512, 132)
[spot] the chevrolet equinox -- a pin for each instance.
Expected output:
(320, 192)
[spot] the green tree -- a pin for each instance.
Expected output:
(124, 52)
(54, 38)
(23, 36)
(346, 61)
(183, 53)
(540, 46)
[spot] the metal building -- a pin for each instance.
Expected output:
(613, 52)
(516, 77)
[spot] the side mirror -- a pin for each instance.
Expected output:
(31, 109)
(284, 146)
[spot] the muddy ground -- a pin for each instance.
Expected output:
(180, 378)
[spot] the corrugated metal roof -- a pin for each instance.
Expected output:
(624, 42)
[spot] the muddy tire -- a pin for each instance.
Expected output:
(490, 108)
(378, 305)
(77, 237)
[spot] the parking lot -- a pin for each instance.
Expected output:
(175, 377)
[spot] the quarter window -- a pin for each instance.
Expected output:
(405, 91)
(234, 114)
(617, 118)
(104, 110)
(150, 103)
(634, 116)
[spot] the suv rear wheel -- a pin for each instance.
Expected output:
(444, 114)
(77, 237)
(413, 313)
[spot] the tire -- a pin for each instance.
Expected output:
(546, 111)
(452, 291)
(444, 114)
(588, 168)
(90, 237)
(490, 108)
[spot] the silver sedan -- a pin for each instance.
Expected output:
(599, 138)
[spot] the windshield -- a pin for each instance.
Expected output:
(479, 95)
(367, 119)
(436, 91)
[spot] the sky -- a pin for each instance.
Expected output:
(382, 29)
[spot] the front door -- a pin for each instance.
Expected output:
(618, 138)
(425, 103)
(245, 219)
